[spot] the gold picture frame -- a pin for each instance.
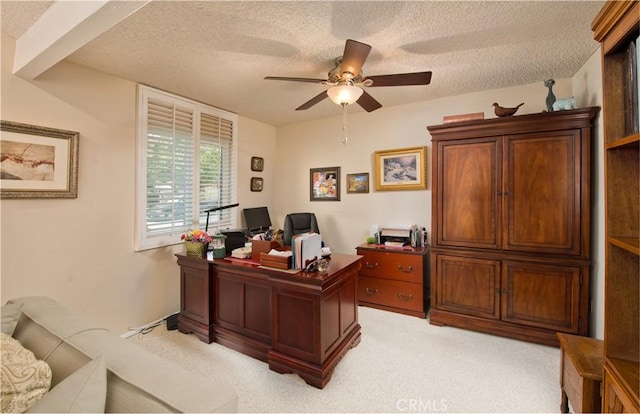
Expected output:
(38, 162)
(357, 183)
(401, 169)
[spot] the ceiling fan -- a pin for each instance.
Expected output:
(348, 79)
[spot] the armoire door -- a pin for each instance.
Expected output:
(468, 286)
(468, 179)
(542, 191)
(545, 296)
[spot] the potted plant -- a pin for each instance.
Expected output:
(196, 242)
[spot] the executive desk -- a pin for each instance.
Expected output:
(300, 323)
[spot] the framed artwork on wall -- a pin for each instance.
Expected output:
(256, 184)
(357, 183)
(401, 169)
(325, 184)
(257, 163)
(38, 162)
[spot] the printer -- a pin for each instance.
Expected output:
(395, 235)
(402, 236)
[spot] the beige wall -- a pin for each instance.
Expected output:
(345, 224)
(587, 83)
(81, 251)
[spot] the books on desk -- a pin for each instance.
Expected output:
(305, 248)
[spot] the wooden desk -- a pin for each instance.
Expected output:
(300, 323)
(580, 373)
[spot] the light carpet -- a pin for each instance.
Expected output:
(402, 365)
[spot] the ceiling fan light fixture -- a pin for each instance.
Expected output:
(344, 94)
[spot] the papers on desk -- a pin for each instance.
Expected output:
(305, 248)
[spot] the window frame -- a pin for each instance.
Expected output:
(142, 239)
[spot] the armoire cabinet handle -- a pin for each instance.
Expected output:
(407, 270)
(370, 292)
(371, 266)
(405, 298)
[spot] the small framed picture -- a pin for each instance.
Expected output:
(357, 183)
(257, 163)
(401, 169)
(325, 184)
(256, 184)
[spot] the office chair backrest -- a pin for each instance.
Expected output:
(296, 223)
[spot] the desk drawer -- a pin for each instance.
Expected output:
(392, 265)
(392, 293)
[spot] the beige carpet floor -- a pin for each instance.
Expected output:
(402, 365)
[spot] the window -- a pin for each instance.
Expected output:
(186, 157)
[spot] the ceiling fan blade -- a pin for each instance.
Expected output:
(308, 80)
(355, 53)
(368, 102)
(318, 98)
(401, 79)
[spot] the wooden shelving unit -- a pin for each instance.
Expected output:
(616, 27)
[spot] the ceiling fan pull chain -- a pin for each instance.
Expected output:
(344, 123)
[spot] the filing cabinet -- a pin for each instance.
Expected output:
(394, 279)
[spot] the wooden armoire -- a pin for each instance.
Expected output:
(511, 238)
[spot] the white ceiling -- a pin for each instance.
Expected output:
(219, 52)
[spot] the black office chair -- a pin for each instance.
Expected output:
(296, 223)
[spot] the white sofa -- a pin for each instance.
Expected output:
(137, 381)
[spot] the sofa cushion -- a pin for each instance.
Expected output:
(23, 378)
(85, 391)
(10, 314)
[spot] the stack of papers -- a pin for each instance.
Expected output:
(305, 248)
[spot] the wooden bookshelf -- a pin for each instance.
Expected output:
(616, 27)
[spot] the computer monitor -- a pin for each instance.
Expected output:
(257, 219)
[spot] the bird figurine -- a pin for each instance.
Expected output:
(502, 112)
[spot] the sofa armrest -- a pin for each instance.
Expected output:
(137, 380)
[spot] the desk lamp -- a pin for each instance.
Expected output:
(219, 248)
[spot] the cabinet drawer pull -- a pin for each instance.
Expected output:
(371, 266)
(370, 292)
(407, 270)
(405, 298)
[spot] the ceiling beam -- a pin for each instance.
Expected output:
(65, 27)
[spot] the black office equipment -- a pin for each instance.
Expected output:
(235, 238)
(257, 219)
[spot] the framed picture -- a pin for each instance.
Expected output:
(257, 163)
(401, 169)
(325, 184)
(358, 183)
(256, 184)
(38, 162)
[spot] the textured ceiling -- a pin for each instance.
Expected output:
(218, 52)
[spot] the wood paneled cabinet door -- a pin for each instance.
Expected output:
(522, 293)
(469, 176)
(515, 192)
(540, 295)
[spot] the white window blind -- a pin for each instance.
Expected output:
(216, 170)
(186, 165)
